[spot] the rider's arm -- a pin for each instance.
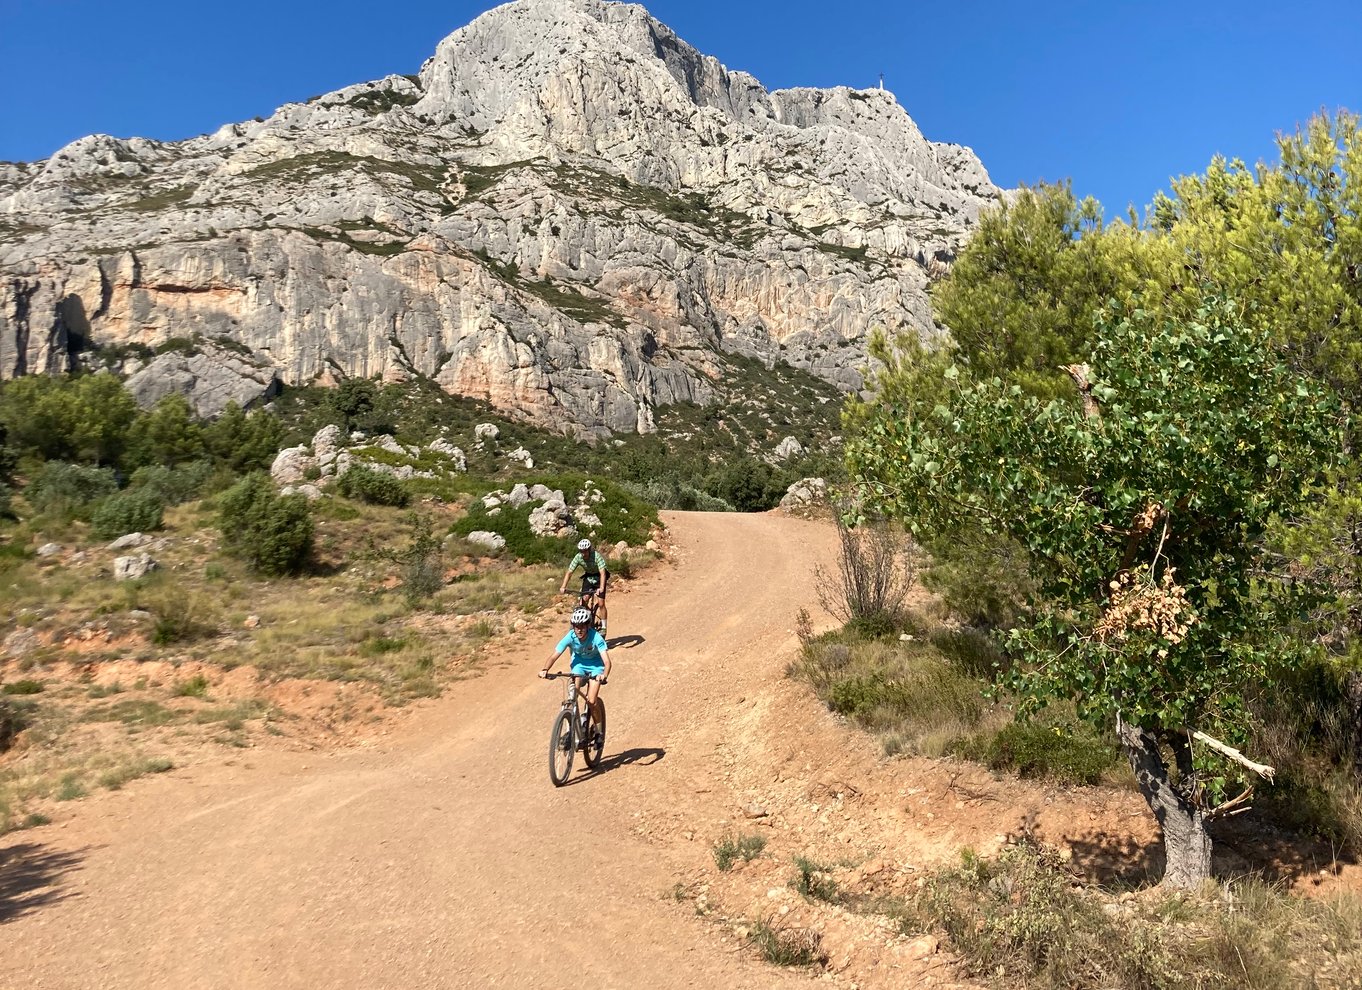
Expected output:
(553, 659)
(605, 572)
(605, 656)
(562, 588)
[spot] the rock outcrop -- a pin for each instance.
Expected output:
(567, 213)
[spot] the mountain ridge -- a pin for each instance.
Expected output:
(567, 213)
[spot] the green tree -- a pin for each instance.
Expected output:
(244, 442)
(271, 532)
(168, 434)
(83, 419)
(1143, 510)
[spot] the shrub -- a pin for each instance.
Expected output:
(731, 848)
(787, 946)
(1020, 920)
(26, 686)
(135, 511)
(69, 490)
(1065, 754)
(421, 562)
(876, 564)
(374, 487)
(983, 578)
(173, 485)
(272, 533)
(814, 881)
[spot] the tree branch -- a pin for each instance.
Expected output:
(1079, 373)
(1229, 752)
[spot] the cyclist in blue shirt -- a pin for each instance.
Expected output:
(590, 658)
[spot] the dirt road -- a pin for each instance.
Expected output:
(441, 856)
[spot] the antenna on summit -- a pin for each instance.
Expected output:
(881, 82)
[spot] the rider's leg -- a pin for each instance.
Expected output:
(593, 691)
(602, 614)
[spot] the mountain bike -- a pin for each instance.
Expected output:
(567, 737)
(587, 600)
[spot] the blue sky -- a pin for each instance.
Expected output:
(1118, 96)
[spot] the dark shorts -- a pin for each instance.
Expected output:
(591, 585)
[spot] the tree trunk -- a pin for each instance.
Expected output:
(1186, 843)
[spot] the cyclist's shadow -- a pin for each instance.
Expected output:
(624, 642)
(644, 757)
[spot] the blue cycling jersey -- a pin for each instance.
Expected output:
(588, 652)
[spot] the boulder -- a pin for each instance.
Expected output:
(292, 465)
(522, 456)
(132, 567)
(48, 550)
(481, 537)
(486, 432)
(789, 447)
(454, 453)
(210, 378)
(519, 496)
(130, 541)
(806, 493)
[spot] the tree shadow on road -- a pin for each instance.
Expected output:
(30, 878)
(642, 756)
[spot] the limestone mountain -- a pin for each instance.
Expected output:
(569, 213)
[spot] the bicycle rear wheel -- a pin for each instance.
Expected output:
(595, 739)
(561, 748)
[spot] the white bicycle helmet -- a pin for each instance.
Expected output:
(583, 544)
(580, 616)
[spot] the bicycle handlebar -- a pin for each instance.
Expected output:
(564, 673)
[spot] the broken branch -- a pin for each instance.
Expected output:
(1262, 770)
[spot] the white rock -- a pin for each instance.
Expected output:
(130, 541)
(486, 432)
(521, 455)
(292, 465)
(519, 496)
(492, 541)
(789, 447)
(48, 550)
(132, 567)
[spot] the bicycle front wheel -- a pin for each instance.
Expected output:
(561, 748)
(595, 739)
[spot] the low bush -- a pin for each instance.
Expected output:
(905, 691)
(272, 533)
(814, 881)
(786, 946)
(131, 511)
(173, 485)
(69, 490)
(364, 484)
(1065, 753)
(875, 566)
(731, 848)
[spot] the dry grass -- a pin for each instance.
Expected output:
(1023, 921)
(348, 620)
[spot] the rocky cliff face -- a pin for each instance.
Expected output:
(567, 213)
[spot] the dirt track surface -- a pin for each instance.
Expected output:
(440, 855)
